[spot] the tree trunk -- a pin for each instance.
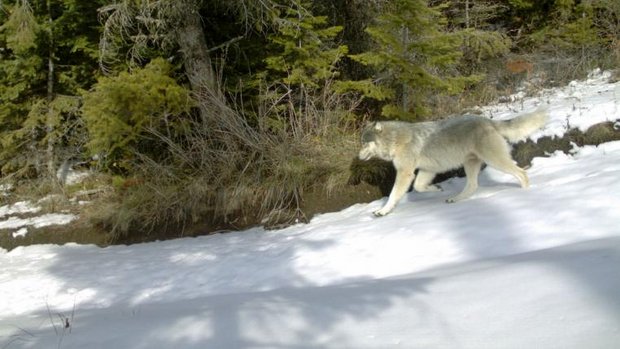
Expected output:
(405, 87)
(197, 62)
(467, 14)
(49, 129)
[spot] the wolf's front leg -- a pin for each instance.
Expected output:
(404, 177)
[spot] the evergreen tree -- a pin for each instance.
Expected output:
(354, 16)
(607, 22)
(570, 28)
(414, 57)
(302, 59)
(142, 30)
(476, 22)
(555, 26)
(303, 54)
(48, 49)
(125, 113)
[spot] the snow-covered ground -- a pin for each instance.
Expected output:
(508, 268)
(11, 217)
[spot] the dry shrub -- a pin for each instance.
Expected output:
(522, 75)
(236, 171)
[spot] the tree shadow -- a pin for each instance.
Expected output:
(222, 310)
(307, 317)
(360, 314)
(259, 313)
(502, 230)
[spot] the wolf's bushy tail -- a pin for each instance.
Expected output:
(522, 126)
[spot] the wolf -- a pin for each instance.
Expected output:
(438, 146)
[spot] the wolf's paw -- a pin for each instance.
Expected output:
(428, 189)
(382, 212)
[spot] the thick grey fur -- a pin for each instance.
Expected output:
(439, 146)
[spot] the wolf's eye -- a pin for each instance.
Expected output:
(367, 138)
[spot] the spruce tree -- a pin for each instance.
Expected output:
(303, 54)
(302, 59)
(570, 28)
(125, 113)
(476, 21)
(414, 58)
(48, 49)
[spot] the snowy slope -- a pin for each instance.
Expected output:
(566, 297)
(508, 268)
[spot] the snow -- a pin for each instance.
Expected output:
(577, 105)
(76, 176)
(18, 208)
(37, 222)
(21, 232)
(508, 268)
(10, 219)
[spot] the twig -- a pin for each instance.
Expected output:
(16, 338)
(49, 313)
(227, 43)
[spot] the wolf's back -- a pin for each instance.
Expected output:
(522, 126)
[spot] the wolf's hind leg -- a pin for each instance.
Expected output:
(498, 156)
(423, 181)
(472, 169)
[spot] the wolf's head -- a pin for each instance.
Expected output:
(372, 144)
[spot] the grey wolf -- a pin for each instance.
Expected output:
(438, 146)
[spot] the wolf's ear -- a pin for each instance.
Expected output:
(378, 127)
